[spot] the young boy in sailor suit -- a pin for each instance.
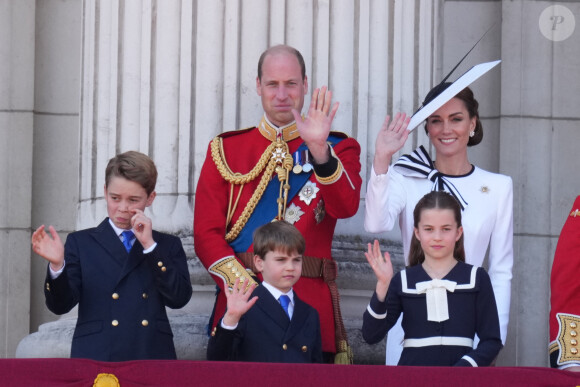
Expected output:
(268, 322)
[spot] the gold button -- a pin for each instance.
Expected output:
(213, 331)
(48, 286)
(574, 351)
(115, 296)
(159, 263)
(145, 296)
(238, 275)
(144, 323)
(229, 265)
(573, 333)
(304, 348)
(164, 269)
(284, 347)
(573, 325)
(574, 342)
(234, 270)
(114, 323)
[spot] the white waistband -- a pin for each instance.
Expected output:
(438, 340)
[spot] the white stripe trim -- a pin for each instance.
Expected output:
(376, 315)
(469, 360)
(438, 340)
(471, 283)
(404, 283)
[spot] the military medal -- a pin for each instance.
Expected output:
(297, 162)
(319, 212)
(308, 192)
(307, 166)
(293, 214)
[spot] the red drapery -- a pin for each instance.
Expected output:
(80, 372)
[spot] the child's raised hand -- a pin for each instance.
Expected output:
(49, 248)
(382, 267)
(238, 301)
(143, 228)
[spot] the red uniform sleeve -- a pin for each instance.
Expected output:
(341, 191)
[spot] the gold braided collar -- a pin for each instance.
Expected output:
(289, 132)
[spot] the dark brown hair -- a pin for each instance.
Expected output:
(133, 166)
(278, 235)
(278, 49)
(471, 104)
(435, 200)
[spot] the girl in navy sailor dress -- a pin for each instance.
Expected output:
(444, 301)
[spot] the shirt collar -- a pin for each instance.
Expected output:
(117, 230)
(276, 293)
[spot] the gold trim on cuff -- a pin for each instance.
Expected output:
(336, 175)
(229, 269)
(569, 327)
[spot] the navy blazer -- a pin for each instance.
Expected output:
(266, 334)
(122, 296)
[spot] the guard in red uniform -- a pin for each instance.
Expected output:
(288, 167)
(565, 296)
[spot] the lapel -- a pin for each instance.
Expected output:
(105, 236)
(271, 307)
(134, 259)
(299, 317)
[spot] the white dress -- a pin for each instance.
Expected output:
(487, 223)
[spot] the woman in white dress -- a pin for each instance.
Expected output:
(486, 198)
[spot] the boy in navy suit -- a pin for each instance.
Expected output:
(122, 273)
(274, 325)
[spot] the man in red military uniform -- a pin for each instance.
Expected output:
(564, 348)
(288, 167)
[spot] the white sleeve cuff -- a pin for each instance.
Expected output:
(469, 360)
(55, 274)
(150, 249)
(376, 315)
(228, 327)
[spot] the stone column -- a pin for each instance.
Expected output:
(136, 88)
(55, 183)
(16, 125)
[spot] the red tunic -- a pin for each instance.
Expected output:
(242, 150)
(565, 293)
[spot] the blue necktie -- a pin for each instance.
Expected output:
(127, 238)
(285, 301)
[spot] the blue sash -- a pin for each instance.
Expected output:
(267, 208)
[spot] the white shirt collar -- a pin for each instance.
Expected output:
(277, 293)
(117, 230)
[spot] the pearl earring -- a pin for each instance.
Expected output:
(472, 133)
